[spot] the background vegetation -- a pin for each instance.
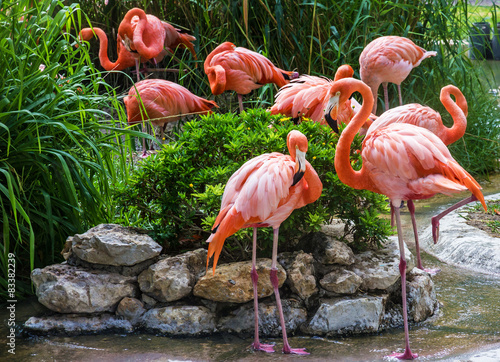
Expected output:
(63, 137)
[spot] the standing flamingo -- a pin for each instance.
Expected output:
(262, 193)
(125, 58)
(160, 102)
(307, 97)
(389, 59)
(401, 161)
(146, 37)
(239, 69)
(426, 117)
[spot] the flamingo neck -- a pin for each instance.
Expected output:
(345, 172)
(458, 112)
(103, 51)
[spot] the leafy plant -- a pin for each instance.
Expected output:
(177, 193)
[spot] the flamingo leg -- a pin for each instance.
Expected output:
(435, 219)
(399, 93)
(137, 69)
(411, 208)
(386, 96)
(240, 102)
(402, 270)
(275, 283)
(256, 345)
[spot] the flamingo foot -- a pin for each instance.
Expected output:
(432, 271)
(435, 229)
(299, 351)
(406, 355)
(257, 346)
(145, 154)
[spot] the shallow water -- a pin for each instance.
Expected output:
(468, 322)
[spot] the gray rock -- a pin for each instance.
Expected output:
(112, 244)
(421, 294)
(380, 269)
(68, 289)
(73, 324)
(339, 316)
(241, 320)
(173, 278)
(299, 267)
(326, 249)
(131, 309)
(232, 282)
(180, 320)
(341, 281)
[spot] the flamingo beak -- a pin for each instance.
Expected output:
(331, 112)
(300, 166)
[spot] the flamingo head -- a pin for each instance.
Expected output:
(297, 146)
(344, 71)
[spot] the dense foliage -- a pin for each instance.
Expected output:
(177, 193)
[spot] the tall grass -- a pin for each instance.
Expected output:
(60, 148)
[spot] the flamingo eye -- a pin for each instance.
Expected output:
(337, 94)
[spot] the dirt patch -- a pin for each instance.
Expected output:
(488, 222)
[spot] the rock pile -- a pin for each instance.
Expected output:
(114, 279)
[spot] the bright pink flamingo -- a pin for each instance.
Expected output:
(147, 37)
(426, 117)
(125, 58)
(239, 69)
(307, 97)
(262, 193)
(389, 59)
(401, 161)
(160, 102)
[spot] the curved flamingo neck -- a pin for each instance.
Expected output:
(345, 172)
(103, 51)
(314, 185)
(457, 110)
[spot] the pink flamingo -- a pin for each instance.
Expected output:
(389, 59)
(146, 37)
(262, 193)
(401, 161)
(426, 117)
(307, 97)
(161, 102)
(239, 69)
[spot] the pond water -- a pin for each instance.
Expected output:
(468, 323)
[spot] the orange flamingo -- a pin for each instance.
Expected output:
(146, 36)
(401, 161)
(426, 117)
(125, 58)
(236, 68)
(262, 193)
(389, 59)
(307, 97)
(160, 102)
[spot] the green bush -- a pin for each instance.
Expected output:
(177, 193)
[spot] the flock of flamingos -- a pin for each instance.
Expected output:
(404, 153)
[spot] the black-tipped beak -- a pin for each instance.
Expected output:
(297, 177)
(300, 166)
(332, 123)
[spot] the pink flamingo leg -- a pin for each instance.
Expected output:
(400, 97)
(275, 283)
(411, 208)
(240, 102)
(435, 219)
(386, 96)
(256, 345)
(402, 270)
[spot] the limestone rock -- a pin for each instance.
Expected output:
(180, 320)
(131, 309)
(75, 324)
(113, 244)
(422, 300)
(232, 282)
(380, 269)
(68, 289)
(341, 281)
(173, 278)
(339, 316)
(299, 267)
(241, 320)
(326, 249)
